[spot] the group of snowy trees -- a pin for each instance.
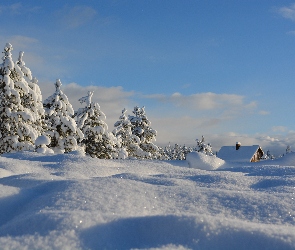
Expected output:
(180, 152)
(52, 126)
(28, 123)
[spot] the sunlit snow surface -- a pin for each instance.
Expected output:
(76, 202)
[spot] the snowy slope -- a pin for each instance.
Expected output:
(76, 202)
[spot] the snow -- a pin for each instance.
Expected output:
(42, 139)
(69, 201)
(203, 161)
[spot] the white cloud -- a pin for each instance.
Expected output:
(288, 12)
(205, 101)
(77, 16)
(223, 106)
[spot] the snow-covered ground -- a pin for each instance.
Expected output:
(70, 201)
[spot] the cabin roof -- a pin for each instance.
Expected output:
(243, 154)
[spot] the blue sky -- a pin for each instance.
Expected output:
(222, 69)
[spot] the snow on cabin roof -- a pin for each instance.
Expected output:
(243, 154)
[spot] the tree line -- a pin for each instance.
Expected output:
(52, 126)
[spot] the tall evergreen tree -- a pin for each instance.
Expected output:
(32, 98)
(62, 128)
(141, 127)
(99, 143)
(17, 131)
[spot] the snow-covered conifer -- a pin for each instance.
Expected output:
(175, 153)
(267, 156)
(203, 147)
(129, 142)
(141, 127)
(99, 143)
(31, 96)
(17, 130)
(288, 149)
(62, 128)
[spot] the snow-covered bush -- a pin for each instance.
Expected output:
(62, 128)
(99, 143)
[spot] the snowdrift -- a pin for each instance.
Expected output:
(71, 201)
(202, 161)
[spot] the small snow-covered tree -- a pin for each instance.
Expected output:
(141, 127)
(62, 128)
(267, 156)
(99, 143)
(288, 149)
(17, 130)
(177, 152)
(203, 147)
(129, 142)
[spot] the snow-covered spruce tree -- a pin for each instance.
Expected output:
(177, 152)
(203, 147)
(17, 130)
(31, 98)
(129, 142)
(141, 127)
(288, 149)
(98, 142)
(62, 128)
(186, 150)
(168, 151)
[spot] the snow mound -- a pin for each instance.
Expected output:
(42, 139)
(203, 161)
(287, 160)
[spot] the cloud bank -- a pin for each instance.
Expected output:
(204, 101)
